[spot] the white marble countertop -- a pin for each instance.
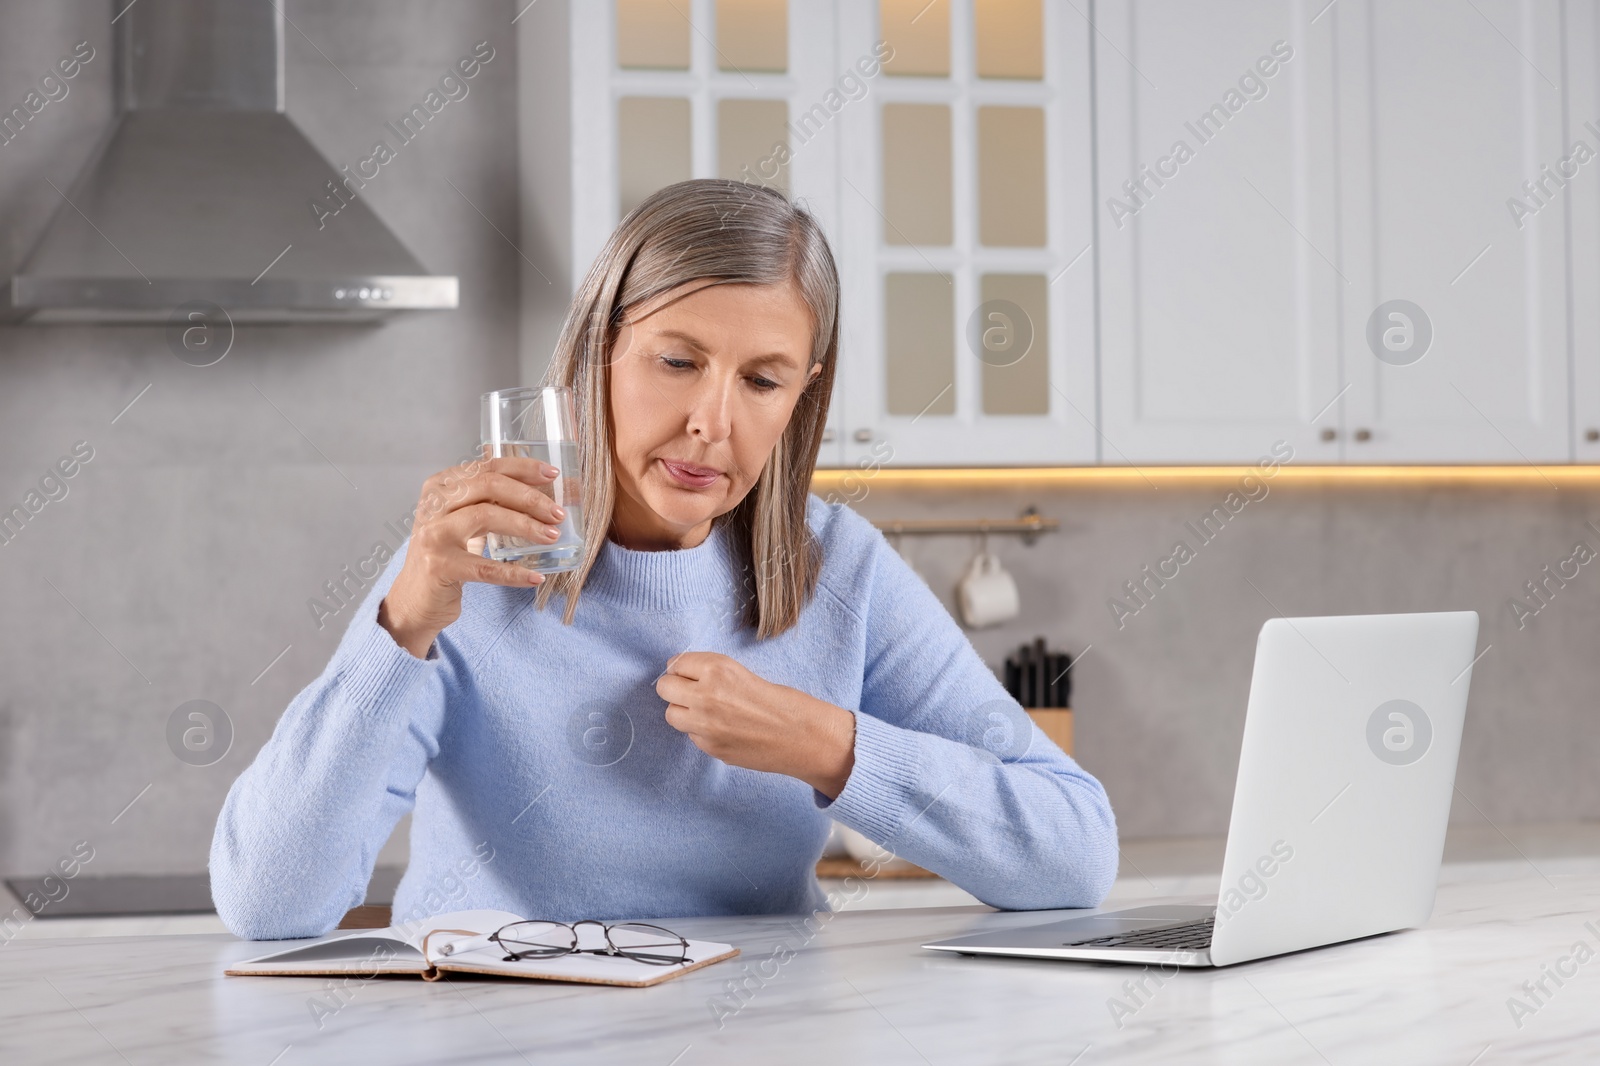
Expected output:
(861, 990)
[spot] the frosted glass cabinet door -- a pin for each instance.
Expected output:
(666, 90)
(1447, 111)
(1218, 245)
(965, 246)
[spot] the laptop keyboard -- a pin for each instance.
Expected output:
(1189, 936)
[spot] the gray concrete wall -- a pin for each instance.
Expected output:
(180, 563)
(1159, 702)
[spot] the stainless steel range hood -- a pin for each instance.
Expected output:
(202, 184)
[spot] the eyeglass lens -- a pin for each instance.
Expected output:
(634, 940)
(646, 943)
(538, 939)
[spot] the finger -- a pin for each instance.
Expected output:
(487, 487)
(528, 471)
(461, 525)
(446, 487)
(494, 487)
(693, 664)
(680, 718)
(674, 689)
(461, 566)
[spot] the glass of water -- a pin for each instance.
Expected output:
(537, 423)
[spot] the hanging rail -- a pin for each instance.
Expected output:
(1029, 525)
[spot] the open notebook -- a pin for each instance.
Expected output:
(459, 943)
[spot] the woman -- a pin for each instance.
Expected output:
(737, 662)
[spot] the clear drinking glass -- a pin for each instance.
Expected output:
(537, 423)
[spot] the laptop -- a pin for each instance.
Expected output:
(1339, 810)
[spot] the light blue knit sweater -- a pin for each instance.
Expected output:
(546, 781)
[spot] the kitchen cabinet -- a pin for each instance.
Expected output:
(968, 290)
(660, 91)
(1583, 119)
(1177, 233)
(1337, 265)
(1450, 121)
(1218, 231)
(966, 241)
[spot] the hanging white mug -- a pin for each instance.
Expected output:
(986, 593)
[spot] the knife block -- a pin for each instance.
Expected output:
(1056, 723)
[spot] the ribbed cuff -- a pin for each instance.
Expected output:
(873, 800)
(376, 674)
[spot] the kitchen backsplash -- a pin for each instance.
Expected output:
(172, 576)
(1160, 679)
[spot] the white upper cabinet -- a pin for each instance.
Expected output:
(1346, 255)
(944, 145)
(966, 249)
(1583, 127)
(1218, 231)
(1178, 233)
(1453, 230)
(667, 90)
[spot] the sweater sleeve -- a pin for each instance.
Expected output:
(951, 774)
(300, 829)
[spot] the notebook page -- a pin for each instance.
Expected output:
(395, 949)
(600, 969)
(369, 952)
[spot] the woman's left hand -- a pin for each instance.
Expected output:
(745, 720)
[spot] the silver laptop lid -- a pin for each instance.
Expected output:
(1345, 779)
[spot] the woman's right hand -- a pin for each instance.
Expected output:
(457, 508)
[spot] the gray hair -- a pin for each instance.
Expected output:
(725, 232)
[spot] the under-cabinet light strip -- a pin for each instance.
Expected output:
(1552, 476)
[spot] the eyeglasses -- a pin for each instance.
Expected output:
(638, 941)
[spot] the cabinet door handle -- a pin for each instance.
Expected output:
(827, 435)
(863, 435)
(1591, 434)
(1363, 434)
(1330, 434)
